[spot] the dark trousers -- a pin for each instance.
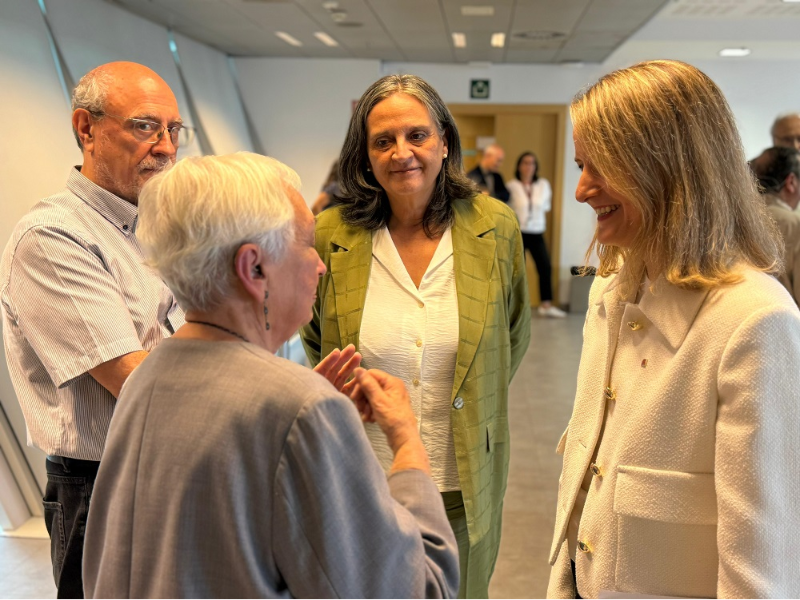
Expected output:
(66, 506)
(534, 243)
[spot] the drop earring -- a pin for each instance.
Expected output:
(266, 311)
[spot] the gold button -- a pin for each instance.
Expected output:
(419, 343)
(584, 547)
(422, 305)
(634, 325)
(597, 471)
(610, 394)
(415, 382)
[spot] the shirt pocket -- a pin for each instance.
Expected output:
(666, 532)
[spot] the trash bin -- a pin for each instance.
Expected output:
(579, 287)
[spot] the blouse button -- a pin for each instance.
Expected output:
(419, 343)
(416, 381)
(422, 305)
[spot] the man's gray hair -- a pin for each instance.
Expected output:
(194, 217)
(91, 94)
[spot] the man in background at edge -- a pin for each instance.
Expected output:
(786, 131)
(486, 174)
(80, 310)
(778, 172)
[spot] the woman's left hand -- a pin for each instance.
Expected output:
(339, 365)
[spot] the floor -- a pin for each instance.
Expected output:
(540, 405)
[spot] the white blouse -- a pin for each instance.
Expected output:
(413, 334)
(531, 203)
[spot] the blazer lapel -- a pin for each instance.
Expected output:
(351, 257)
(473, 259)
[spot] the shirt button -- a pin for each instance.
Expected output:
(596, 470)
(416, 381)
(124, 228)
(610, 394)
(584, 546)
(458, 403)
(419, 343)
(634, 325)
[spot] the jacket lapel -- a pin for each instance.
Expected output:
(473, 259)
(351, 257)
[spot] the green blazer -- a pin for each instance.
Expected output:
(494, 332)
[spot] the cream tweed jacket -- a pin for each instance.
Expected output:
(696, 485)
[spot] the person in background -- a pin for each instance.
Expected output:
(487, 173)
(531, 196)
(80, 311)
(329, 196)
(786, 131)
(778, 172)
(681, 469)
(268, 487)
(427, 278)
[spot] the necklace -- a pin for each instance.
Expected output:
(225, 329)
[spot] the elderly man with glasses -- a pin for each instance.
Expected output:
(80, 310)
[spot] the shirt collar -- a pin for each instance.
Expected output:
(776, 200)
(120, 213)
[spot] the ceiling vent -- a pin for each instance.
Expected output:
(539, 36)
(349, 24)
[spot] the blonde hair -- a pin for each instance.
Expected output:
(662, 135)
(196, 215)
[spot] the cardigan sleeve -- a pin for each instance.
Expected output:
(342, 531)
(757, 463)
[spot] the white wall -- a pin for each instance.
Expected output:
(37, 148)
(301, 109)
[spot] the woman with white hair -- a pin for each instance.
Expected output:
(230, 472)
(681, 470)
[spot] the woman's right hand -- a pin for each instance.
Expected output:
(383, 399)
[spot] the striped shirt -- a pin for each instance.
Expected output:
(75, 294)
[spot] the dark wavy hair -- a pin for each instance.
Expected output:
(365, 202)
(535, 161)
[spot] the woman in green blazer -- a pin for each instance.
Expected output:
(415, 238)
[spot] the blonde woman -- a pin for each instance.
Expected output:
(681, 470)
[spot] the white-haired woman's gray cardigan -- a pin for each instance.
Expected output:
(231, 473)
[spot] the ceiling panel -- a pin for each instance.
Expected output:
(421, 30)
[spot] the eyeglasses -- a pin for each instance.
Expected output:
(151, 132)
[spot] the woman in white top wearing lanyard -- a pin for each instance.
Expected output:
(530, 199)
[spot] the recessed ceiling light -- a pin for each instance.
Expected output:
(477, 11)
(330, 5)
(338, 15)
(325, 39)
(734, 52)
(791, 1)
(498, 40)
(292, 41)
(459, 40)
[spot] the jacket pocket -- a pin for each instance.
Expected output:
(666, 532)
